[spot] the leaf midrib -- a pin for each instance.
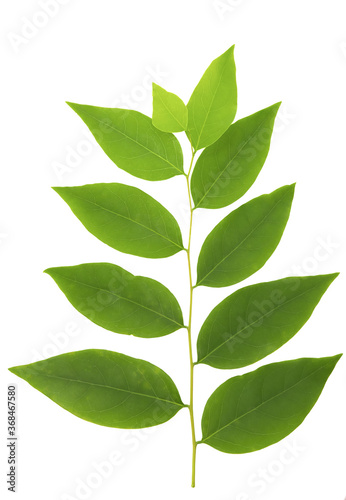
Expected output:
(210, 106)
(230, 161)
(175, 118)
(264, 402)
(110, 387)
(123, 298)
(254, 322)
(129, 219)
(243, 240)
(132, 139)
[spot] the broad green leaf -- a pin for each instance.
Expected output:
(132, 142)
(125, 218)
(252, 411)
(105, 388)
(169, 111)
(119, 301)
(258, 319)
(228, 168)
(213, 103)
(244, 240)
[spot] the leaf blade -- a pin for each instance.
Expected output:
(256, 320)
(228, 168)
(125, 218)
(251, 422)
(105, 388)
(132, 142)
(234, 250)
(213, 103)
(118, 301)
(169, 112)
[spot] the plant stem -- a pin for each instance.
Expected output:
(193, 433)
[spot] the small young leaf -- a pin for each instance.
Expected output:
(125, 218)
(132, 142)
(244, 240)
(119, 301)
(169, 111)
(105, 388)
(228, 168)
(253, 411)
(258, 319)
(213, 103)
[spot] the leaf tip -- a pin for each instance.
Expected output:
(291, 187)
(15, 370)
(73, 105)
(60, 191)
(276, 106)
(333, 360)
(333, 276)
(48, 271)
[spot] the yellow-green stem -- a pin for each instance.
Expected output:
(193, 433)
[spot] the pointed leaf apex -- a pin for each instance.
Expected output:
(48, 270)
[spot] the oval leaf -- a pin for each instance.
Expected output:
(119, 301)
(228, 168)
(244, 240)
(105, 388)
(256, 320)
(252, 411)
(125, 218)
(132, 142)
(213, 103)
(169, 111)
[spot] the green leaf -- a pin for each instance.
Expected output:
(119, 301)
(105, 388)
(256, 320)
(244, 240)
(228, 168)
(252, 411)
(132, 142)
(125, 218)
(213, 103)
(169, 111)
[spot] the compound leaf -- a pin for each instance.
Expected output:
(252, 411)
(244, 240)
(258, 319)
(228, 168)
(213, 103)
(119, 301)
(105, 388)
(125, 218)
(169, 111)
(132, 142)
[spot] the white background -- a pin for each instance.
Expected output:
(107, 53)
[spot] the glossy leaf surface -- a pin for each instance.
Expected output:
(244, 240)
(169, 111)
(132, 142)
(256, 320)
(125, 218)
(213, 103)
(252, 411)
(119, 301)
(228, 168)
(105, 388)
